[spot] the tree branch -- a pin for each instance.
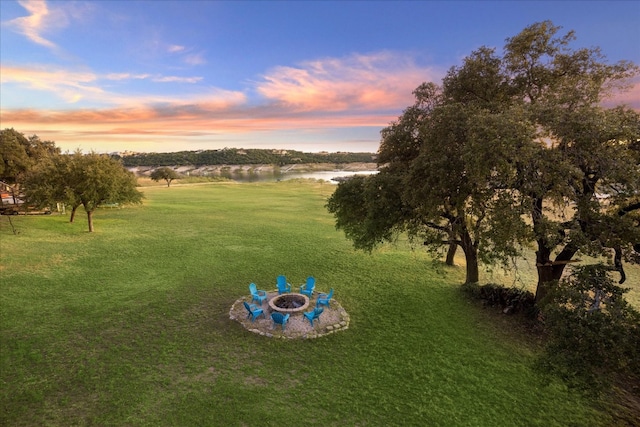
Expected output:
(628, 209)
(436, 226)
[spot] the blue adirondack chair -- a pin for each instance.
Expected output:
(283, 285)
(253, 310)
(279, 318)
(324, 299)
(308, 287)
(314, 315)
(256, 294)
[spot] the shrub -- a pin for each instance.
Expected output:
(510, 300)
(593, 333)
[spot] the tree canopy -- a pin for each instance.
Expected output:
(164, 173)
(19, 153)
(509, 150)
(78, 179)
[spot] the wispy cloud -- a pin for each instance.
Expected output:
(195, 59)
(174, 48)
(176, 79)
(73, 86)
(126, 76)
(153, 78)
(186, 54)
(39, 21)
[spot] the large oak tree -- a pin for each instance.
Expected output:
(583, 151)
(510, 149)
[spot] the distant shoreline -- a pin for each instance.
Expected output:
(258, 168)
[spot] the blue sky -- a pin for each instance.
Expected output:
(161, 76)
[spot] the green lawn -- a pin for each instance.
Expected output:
(130, 325)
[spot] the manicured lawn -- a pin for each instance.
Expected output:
(129, 325)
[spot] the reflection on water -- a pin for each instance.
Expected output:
(276, 175)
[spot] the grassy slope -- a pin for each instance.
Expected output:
(129, 325)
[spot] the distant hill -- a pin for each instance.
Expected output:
(235, 156)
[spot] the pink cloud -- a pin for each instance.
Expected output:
(205, 117)
(630, 96)
(363, 82)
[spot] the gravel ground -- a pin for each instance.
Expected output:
(334, 318)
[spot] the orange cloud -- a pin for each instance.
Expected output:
(69, 85)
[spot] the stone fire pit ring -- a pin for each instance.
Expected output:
(290, 303)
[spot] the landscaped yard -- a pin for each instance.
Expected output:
(130, 325)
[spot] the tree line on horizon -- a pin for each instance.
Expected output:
(239, 156)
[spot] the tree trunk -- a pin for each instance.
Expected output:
(451, 253)
(543, 254)
(73, 213)
(545, 272)
(550, 271)
(90, 220)
(471, 258)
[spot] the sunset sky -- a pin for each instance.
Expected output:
(162, 76)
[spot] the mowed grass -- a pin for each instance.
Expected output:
(129, 325)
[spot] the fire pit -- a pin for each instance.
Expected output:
(289, 303)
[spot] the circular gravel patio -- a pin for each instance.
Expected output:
(333, 319)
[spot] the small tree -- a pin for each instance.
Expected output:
(165, 173)
(51, 182)
(89, 180)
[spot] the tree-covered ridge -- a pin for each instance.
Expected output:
(238, 156)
